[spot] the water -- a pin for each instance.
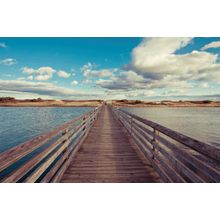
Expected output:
(19, 124)
(200, 123)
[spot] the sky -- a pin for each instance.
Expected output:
(110, 68)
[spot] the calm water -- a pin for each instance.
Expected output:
(200, 123)
(20, 124)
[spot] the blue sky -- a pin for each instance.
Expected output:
(110, 68)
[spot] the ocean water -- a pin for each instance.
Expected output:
(201, 123)
(19, 124)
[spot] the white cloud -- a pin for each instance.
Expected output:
(63, 74)
(130, 80)
(43, 89)
(42, 73)
(42, 77)
(28, 70)
(34, 87)
(157, 67)
(30, 77)
(20, 78)
(205, 85)
(45, 73)
(3, 45)
(74, 83)
(214, 44)
(87, 66)
(87, 81)
(124, 80)
(8, 61)
(147, 93)
(89, 71)
(155, 58)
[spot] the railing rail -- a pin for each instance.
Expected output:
(55, 150)
(176, 157)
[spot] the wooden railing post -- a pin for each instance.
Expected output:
(154, 140)
(84, 122)
(131, 122)
(64, 133)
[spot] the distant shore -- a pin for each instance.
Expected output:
(144, 104)
(48, 103)
(12, 102)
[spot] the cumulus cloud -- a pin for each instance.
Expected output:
(157, 69)
(3, 45)
(129, 80)
(8, 61)
(63, 74)
(43, 77)
(42, 70)
(124, 80)
(45, 73)
(214, 44)
(89, 71)
(74, 83)
(155, 58)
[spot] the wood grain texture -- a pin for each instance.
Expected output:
(109, 155)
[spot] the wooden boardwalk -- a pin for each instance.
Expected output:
(108, 154)
(109, 144)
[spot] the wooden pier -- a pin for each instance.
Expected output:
(111, 145)
(109, 155)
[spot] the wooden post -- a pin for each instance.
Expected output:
(131, 122)
(154, 140)
(84, 122)
(63, 133)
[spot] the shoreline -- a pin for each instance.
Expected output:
(165, 106)
(50, 103)
(114, 103)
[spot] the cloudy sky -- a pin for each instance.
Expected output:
(110, 68)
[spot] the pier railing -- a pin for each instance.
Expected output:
(46, 157)
(176, 157)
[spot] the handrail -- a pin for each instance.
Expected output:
(62, 140)
(176, 157)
